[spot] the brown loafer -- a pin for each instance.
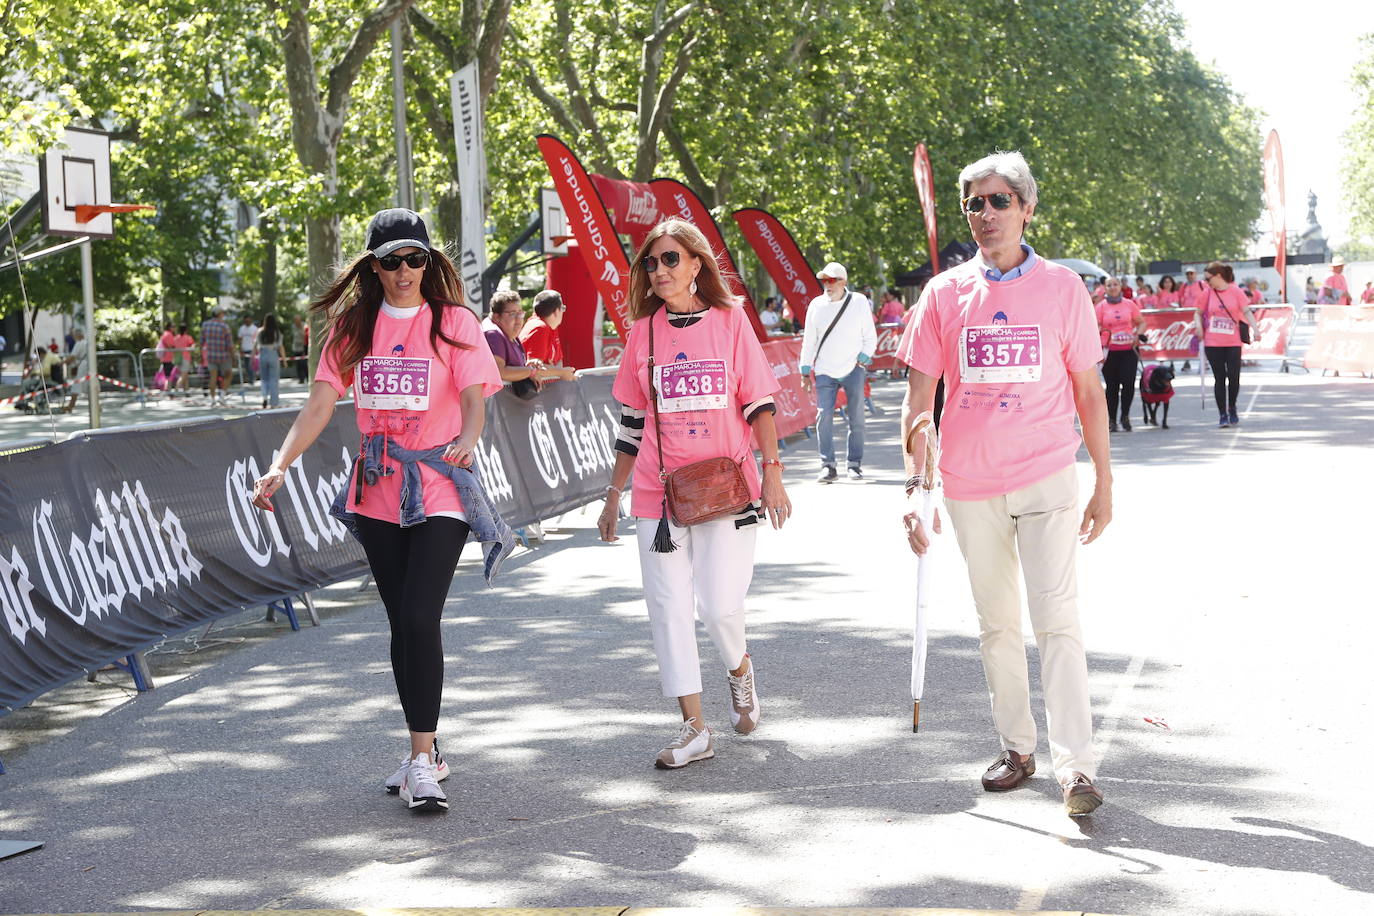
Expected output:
(1081, 797)
(1009, 771)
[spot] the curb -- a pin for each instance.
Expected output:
(615, 911)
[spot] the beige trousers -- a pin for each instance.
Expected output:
(1040, 524)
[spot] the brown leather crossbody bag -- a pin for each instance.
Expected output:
(703, 490)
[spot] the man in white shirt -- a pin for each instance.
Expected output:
(248, 336)
(838, 343)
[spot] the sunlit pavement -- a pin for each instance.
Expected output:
(1226, 603)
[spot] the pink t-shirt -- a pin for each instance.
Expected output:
(1167, 300)
(1005, 350)
(1146, 302)
(1191, 294)
(891, 312)
(1118, 323)
(710, 371)
(165, 343)
(1222, 313)
(1368, 294)
(1337, 282)
(183, 342)
(414, 397)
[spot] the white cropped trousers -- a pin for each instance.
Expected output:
(706, 577)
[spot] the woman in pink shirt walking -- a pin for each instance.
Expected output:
(1119, 321)
(712, 391)
(1217, 322)
(420, 372)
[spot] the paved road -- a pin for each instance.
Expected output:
(1227, 600)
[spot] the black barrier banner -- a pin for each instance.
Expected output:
(110, 543)
(562, 445)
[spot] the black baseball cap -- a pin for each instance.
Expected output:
(396, 228)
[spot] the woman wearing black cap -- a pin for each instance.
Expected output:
(420, 371)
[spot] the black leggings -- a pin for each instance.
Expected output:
(413, 568)
(1119, 371)
(1225, 363)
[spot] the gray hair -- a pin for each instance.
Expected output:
(1010, 167)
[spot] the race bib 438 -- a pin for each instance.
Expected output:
(697, 384)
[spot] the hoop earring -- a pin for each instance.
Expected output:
(693, 289)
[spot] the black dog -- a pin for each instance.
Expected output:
(1156, 387)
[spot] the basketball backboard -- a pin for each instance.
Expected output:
(554, 224)
(76, 172)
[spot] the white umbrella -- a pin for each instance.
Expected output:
(928, 478)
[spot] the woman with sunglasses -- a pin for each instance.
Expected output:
(714, 391)
(1217, 322)
(420, 371)
(1119, 321)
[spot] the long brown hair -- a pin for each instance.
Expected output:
(1217, 267)
(711, 288)
(352, 301)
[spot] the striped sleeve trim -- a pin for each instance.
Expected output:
(631, 431)
(765, 403)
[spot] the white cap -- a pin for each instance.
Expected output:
(834, 271)
(1338, 261)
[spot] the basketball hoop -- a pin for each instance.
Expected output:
(87, 212)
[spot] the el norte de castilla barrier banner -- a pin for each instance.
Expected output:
(111, 542)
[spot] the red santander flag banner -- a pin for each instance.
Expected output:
(676, 199)
(1274, 199)
(925, 190)
(592, 228)
(781, 257)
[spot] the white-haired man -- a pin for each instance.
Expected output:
(1016, 340)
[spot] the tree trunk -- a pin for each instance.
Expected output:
(322, 253)
(269, 270)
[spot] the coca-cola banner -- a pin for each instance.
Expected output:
(110, 543)
(1276, 324)
(676, 199)
(1344, 340)
(1169, 334)
(781, 257)
(591, 226)
(889, 336)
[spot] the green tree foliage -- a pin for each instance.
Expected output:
(262, 128)
(1359, 153)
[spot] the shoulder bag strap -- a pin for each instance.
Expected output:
(653, 399)
(838, 315)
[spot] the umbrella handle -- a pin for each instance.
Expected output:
(924, 426)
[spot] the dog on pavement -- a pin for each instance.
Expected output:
(1156, 387)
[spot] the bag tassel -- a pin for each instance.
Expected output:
(663, 539)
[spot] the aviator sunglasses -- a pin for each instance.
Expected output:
(975, 204)
(670, 260)
(415, 260)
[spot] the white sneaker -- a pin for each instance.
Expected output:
(419, 787)
(744, 700)
(393, 784)
(691, 744)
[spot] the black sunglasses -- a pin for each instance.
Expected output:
(415, 260)
(670, 260)
(975, 204)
